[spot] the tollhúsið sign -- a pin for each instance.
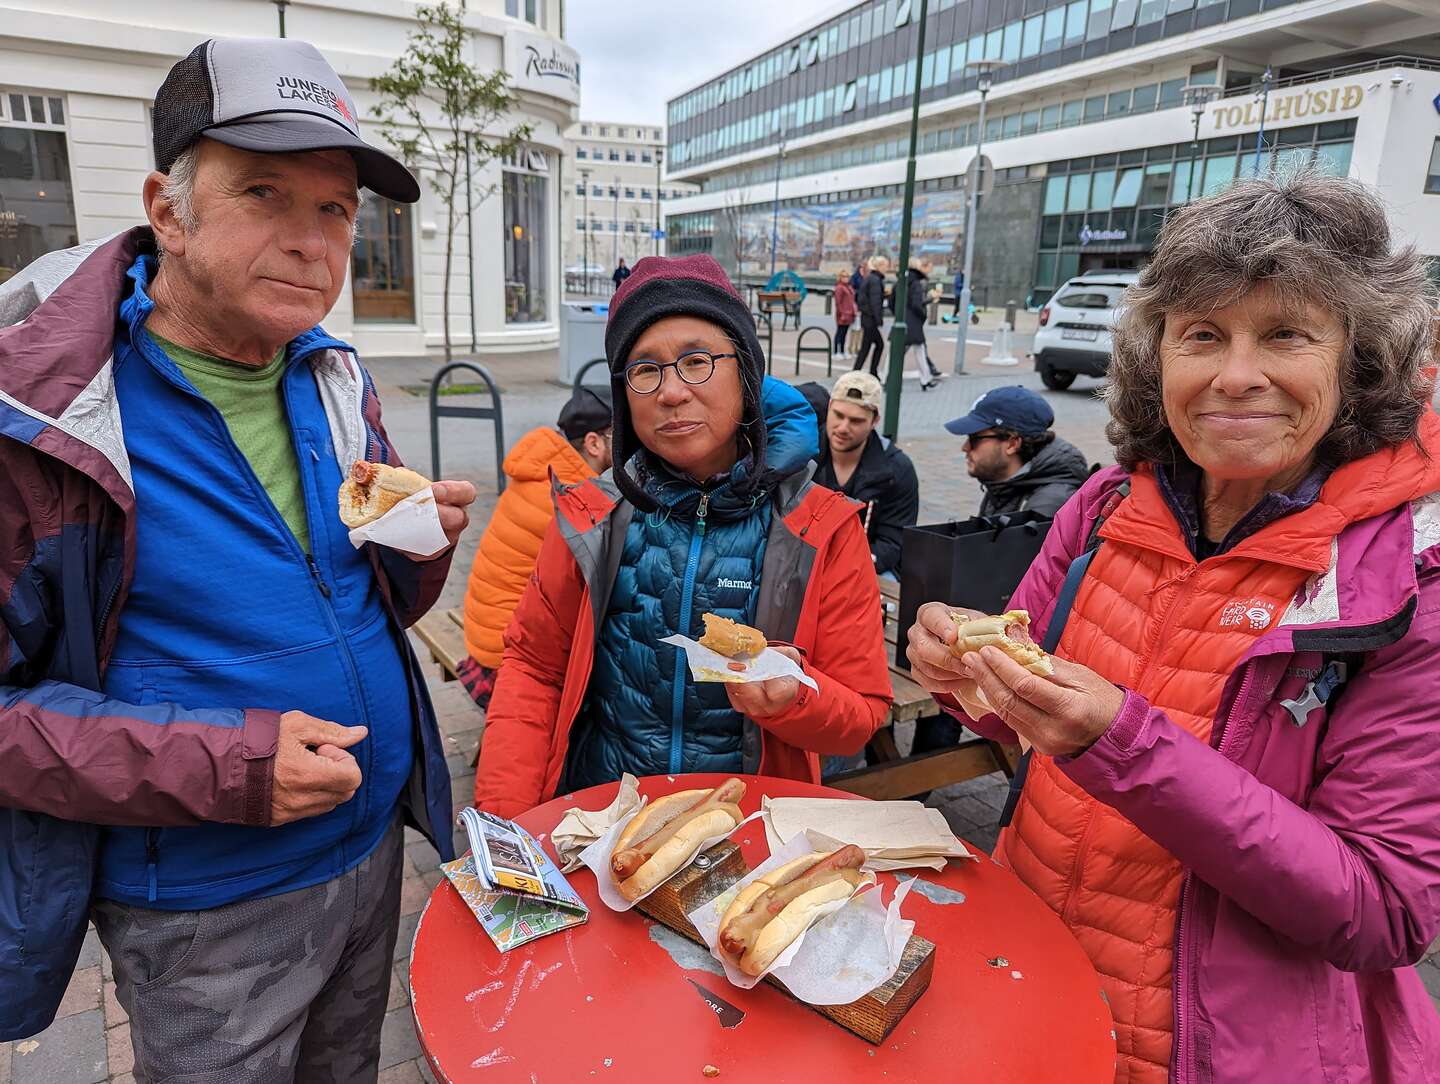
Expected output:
(1289, 108)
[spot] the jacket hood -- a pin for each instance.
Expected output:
(1058, 461)
(538, 451)
(791, 442)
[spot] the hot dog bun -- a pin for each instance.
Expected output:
(731, 639)
(753, 941)
(373, 489)
(660, 839)
(1010, 632)
(668, 859)
(777, 934)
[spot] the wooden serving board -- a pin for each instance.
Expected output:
(872, 1017)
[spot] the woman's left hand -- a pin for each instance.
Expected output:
(1060, 715)
(758, 699)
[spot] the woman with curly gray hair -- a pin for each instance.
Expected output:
(1233, 797)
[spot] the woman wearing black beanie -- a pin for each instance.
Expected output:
(709, 509)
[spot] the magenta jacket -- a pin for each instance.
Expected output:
(1311, 850)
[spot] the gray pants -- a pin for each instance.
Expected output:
(291, 987)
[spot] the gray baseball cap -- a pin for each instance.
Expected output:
(273, 95)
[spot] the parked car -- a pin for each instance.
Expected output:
(1074, 333)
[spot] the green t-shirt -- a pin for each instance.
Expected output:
(253, 405)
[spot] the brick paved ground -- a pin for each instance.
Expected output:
(90, 1040)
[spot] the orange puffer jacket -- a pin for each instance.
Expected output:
(511, 542)
(1150, 619)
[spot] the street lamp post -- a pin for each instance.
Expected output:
(280, 6)
(1198, 97)
(585, 185)
(775, 210)
(896, 373)
(984, 69)
(659, 157)
(615, 226)
(1265, 81)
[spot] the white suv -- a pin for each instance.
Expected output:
(1074, 332)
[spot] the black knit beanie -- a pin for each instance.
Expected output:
(663, 286)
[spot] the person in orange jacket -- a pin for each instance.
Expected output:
(710, 508)
(580, 449)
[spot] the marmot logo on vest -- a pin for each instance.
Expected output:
(739, 585)
(291, 87)
(1252, 612)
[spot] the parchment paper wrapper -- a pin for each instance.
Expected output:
(597, 857)
(707, 665)
(893, 835)
(413, 525)
(845, 954)
(581, 827)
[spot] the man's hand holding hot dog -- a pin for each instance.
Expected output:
(452, 500)
(759, 699)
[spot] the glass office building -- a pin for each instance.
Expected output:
(800, 152)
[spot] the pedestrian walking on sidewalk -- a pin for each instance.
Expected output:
(871, 303)
(844, 313)
(917, 287)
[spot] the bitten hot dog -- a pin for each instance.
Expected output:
(1010, 632)
(772, 911)
(654, 845)
(373, 489)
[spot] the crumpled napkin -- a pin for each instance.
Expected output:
(413, 525)
(707, 665)
(579, 828)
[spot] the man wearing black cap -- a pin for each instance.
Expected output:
(1012, 452)
(193, 653)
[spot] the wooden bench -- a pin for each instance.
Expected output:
(787, 302)
(886, 774)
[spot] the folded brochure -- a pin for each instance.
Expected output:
(510, 883)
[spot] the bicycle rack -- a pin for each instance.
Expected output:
(828, 349)
(580, 376)
(491, 413)
(760, 315)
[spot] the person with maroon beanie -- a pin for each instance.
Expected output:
(710, 508)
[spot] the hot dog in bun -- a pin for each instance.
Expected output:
(771, 911)
(730, 638)
(657, 843)
(373, 489)
(1010, 632)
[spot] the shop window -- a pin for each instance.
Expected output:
(1070, 230)
(525, 248)
(382, 263)
(1050, 231)
(37, 211)
(1045, 270)
(1068, 266)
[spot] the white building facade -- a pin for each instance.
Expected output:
(77, 81)
(1089, 128)
(613, 198)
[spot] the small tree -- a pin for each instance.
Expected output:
(438, 110)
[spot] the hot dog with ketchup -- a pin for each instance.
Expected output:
(656, 844)
(772, 911)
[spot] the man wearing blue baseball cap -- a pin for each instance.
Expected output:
(1012, 452)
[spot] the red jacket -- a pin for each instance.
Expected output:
(844, 304)
(815, 538)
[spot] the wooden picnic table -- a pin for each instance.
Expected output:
(787, 301)
(886, 774)
(1013, 997)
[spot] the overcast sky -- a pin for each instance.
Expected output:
(637, 54)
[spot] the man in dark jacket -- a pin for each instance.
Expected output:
(192, 653)
(1012, 452)
(622, 272)
(870, 300)
(863, 465)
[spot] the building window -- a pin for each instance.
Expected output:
(1432, 177)
(584, 129)
(580, 152)
(37, 210)
(525, 271)
(620, 132)
(604, 130)
(629, 193)
(629, 156)
(645, 157)
(382, 263)
(614, 155)
(524, 9)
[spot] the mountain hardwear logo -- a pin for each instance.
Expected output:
(1253, 612)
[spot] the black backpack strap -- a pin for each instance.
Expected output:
(1069, 588)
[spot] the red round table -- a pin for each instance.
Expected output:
(608, 1000)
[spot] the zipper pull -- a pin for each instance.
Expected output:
(315, 573)
(700, 512)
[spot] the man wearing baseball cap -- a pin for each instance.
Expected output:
(856, 460)
(1015, 455)
(192, 653)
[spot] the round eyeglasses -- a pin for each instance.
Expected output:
(696, 367)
